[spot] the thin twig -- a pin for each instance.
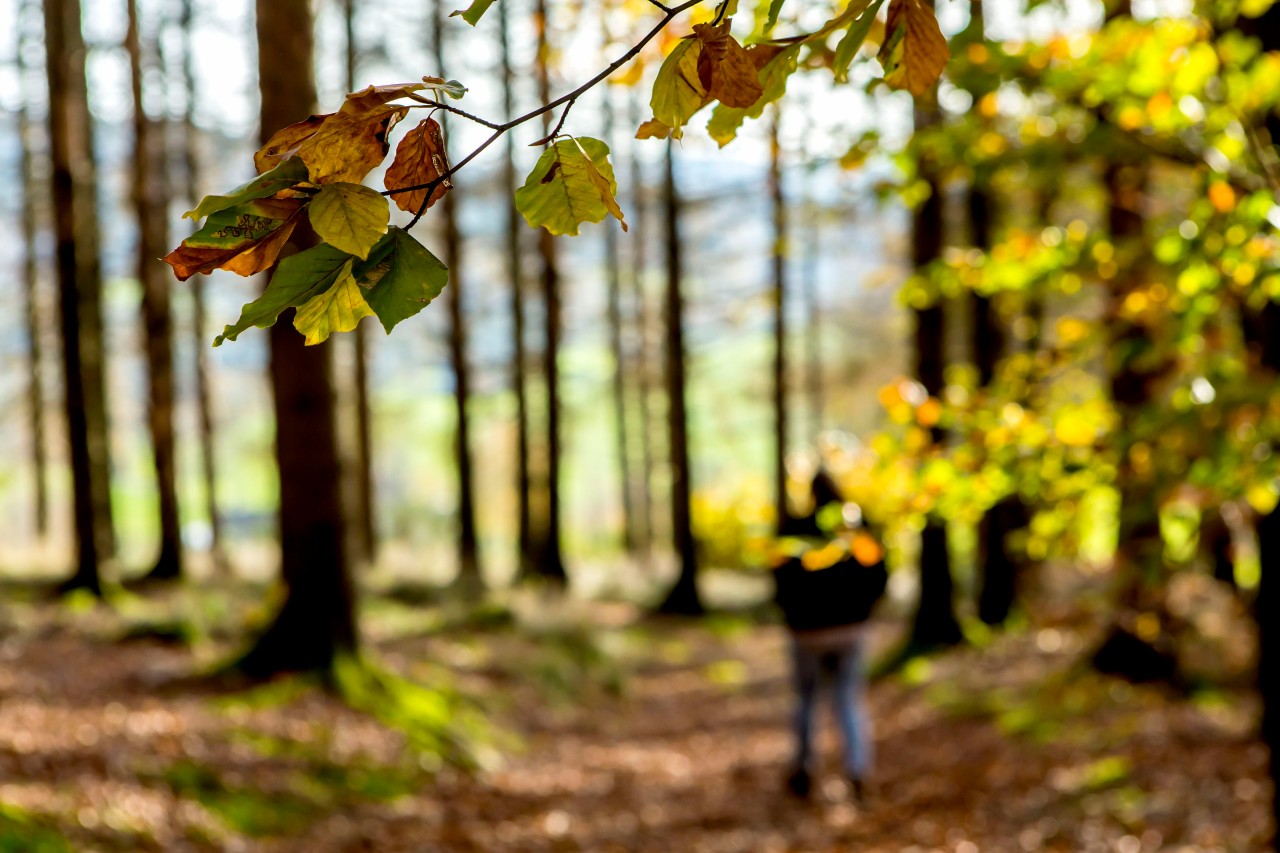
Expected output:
(440, 105)
(430, 187)
(666, 9)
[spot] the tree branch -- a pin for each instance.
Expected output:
(669, 13)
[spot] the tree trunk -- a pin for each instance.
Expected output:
(640, 358)
(935, 621)
(366, 528)
(468, 551)
(550, 563)
(31, 276)
(525, 557)
(812, 298)
(150, 201)
(778, 209)
(195, 285)
(683, 598)
(79, 290)
(613, 267)
(317, 621)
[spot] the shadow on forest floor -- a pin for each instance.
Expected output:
(635, 735)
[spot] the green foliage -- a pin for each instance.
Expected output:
(474, 12)
(349, 217)
(22, 833)
(288, 174)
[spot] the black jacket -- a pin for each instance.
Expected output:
(840, 594)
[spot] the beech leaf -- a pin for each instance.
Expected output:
(338, 309)
(606, 186)
(677, 91)
(473, 13)
(914, 52)
(848, 46)
(350, 217)
(371, 97)
(725, 121)
(452, 88)
(400, 277)
(724, 68)
(560, 193)
(289, 173)
(244, 239)
(297, 279)
(285, 142)
(420, 158)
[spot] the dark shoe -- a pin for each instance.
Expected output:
(858, 790)
(799, 783)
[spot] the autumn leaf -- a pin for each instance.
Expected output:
(914, 52)
(724, 68)
(653, 129)
(677, 91)
(606, 186)
(347, 147)
(297, 279)
(290, 172)
(349, 217)
(559, 193)
(400, 277)
(371, 97)
(338, 309)
(775, 6)
(473, 13)
(420, 158)
(452, 88)
(848, 46)
(284, 143)
(773, 76)
(244, 239)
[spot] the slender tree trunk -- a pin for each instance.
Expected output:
(317, 621)
(683, 598)
(366, 527)
(613, 267)
(812, 298)
(778, 209)
(525, 557)
(935, 621)
(550, 562)
(79, 289)
(195, 285)
(1263, 333)
(31, 275)
(468, 551)
(640, 357)
(150, 201)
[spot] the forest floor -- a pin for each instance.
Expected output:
(616, 733)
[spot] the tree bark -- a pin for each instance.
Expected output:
(640, 361)
(613, 268)
(550, 563)
(74, 182)
(366, 527)
(683, 599)
(778, 211)
(317, 621)
(935, 621)
(150, 201)
(31, 276)
(525, 557)
(468, 551)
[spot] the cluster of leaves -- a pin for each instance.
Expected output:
(311, 171)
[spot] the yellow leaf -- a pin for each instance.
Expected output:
(347, 147)
(914, 52)
(349, 217)
(653, 129)
(677, 91)
(823, 558)
(338, 309)
(725, 69)
(606, 187)
(284, 143)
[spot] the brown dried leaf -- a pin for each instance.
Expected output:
(421, 157)
(725, 69)
(347, 147)
(915, 51)
(285, 143)
(244, 257)
(371, 97)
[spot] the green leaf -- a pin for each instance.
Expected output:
(338, 309)
(725, 121)
(350, 217)
(289, 173)
(473, 13)
(400, 277)
(452, 88)
(297, 279)
(775, 6)
(677, 91)
(559, 193)
(847, 48)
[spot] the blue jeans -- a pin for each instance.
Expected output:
(838, 668)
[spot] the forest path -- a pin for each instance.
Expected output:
(1010, 748)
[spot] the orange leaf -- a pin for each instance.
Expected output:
(284, 143)
(245, 240)
(421, 157)
(371, 97)
(347, 147)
